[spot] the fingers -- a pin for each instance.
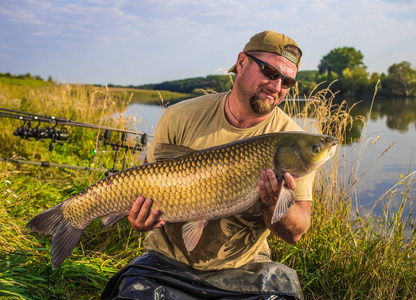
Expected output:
(271, 183)
(269, 186)
(290, 181)
(142, 218)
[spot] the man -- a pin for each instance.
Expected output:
(232, 259)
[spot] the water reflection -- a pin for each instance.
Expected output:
(400, 114)
(385, 155)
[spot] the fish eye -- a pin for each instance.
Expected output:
(316, 149)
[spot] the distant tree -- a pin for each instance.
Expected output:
(374, 80)
(306, 76)
(306, 87)
(327, 77)
(28, 76)
(355, 81)
(221, 83)
(337, 60)
(307, 81)
(218, 83)
(6, 75)
(401, 79)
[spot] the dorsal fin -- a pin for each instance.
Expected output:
(168, 151)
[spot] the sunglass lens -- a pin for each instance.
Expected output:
(274, 74)
(270, 72)
(287, 82)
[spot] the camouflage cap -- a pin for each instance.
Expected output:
(270, 41)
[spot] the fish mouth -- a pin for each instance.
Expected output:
(332, 148)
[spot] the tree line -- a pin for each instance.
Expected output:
(26, 76)
(218, 83)
(343, 67)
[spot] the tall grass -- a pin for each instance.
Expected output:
(25, 271)
(346, 254)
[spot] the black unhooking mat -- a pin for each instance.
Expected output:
(154, 276)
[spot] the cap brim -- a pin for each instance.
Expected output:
(233, 69)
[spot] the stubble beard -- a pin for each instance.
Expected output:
(260, 106)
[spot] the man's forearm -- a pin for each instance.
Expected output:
(292, 226)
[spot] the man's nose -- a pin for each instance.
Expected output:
(275, 85)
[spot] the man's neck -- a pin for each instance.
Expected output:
(240, 116)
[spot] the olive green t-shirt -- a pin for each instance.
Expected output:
(233, 241)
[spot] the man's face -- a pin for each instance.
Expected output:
(262, 93)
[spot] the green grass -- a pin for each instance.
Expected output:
(347, 254)
(25, 271)
(344, 255)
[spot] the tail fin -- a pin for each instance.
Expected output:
(65, 237)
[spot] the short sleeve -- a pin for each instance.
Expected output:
(304, 187)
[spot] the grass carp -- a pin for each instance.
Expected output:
(187, 186)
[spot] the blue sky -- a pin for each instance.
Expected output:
(150, 41)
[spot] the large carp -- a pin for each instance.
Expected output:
(187, 186)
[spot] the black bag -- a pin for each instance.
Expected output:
(154, 276)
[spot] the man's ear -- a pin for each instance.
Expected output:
(242, 61)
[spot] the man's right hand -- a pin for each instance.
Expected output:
(142, 218)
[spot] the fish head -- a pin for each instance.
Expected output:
(300, 153)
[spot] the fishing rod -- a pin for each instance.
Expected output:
(122, 144)
(47, 164)
(28, 130)
(22, 115)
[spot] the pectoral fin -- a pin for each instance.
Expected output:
(284, 202)
(112, 219)
(191, 233)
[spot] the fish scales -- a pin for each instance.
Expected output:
(191, 185)
(188, 186)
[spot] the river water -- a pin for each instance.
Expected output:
(381, 162)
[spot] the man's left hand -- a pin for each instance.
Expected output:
(269, 187)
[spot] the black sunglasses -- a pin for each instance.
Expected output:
(272, 73)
